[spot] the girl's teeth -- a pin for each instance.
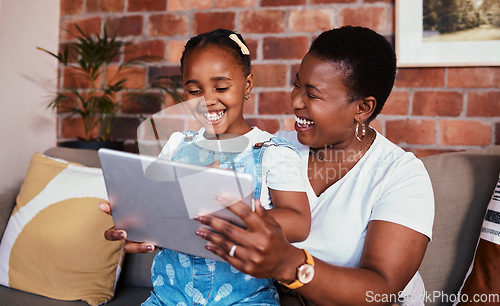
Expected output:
(214, 116)
(303, 121)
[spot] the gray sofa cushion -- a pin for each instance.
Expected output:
(462, 196)
(125, 296)
(87, 158)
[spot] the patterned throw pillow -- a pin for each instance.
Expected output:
(54, 243)
(482, 281)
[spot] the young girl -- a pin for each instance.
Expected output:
(217, 80)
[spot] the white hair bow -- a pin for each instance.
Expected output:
(244, 48)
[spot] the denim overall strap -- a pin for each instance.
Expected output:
(258, 152)
(188, 136)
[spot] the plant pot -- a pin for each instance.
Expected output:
(93, 145)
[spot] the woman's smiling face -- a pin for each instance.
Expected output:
(216, 85)
(324, 116)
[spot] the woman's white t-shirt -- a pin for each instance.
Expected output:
(386, 184)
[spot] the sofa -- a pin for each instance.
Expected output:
(463, 183)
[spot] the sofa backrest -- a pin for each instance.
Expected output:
(463, 184)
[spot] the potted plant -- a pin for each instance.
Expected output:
(91, 95)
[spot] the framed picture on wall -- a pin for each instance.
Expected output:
(450, 33)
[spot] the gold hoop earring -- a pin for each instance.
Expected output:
(363, 131)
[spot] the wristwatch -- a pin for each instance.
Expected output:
(305, 273)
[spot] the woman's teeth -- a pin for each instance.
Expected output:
(302, 122)
(214, 116)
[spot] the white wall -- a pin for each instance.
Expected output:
(27, 79)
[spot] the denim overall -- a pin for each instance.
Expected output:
(184, 279)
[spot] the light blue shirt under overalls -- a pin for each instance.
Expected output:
(184, 279)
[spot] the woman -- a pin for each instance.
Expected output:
(371, 203)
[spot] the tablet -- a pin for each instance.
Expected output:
(155, 200)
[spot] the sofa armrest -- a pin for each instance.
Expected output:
(7, 203)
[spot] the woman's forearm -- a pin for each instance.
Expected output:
(334, 285)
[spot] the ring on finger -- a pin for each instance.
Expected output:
(233, 250)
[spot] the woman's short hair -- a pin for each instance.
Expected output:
(367, 58)
(219, 38)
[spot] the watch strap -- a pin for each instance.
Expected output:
(297, 284)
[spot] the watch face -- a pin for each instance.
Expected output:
(305, 273)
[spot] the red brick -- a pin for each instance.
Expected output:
(331, 1)
(497, 133)
(285, 47)
(125, 26)
(174, 50)
(151, 48)
(483, 104)
(105, 6)
(71, 7)
(249, 105)
(206, 22)
(269, 125)
(252, 46)
(125, 127)
(156, 72)
(275, 102)
(72, 56)
(428, 152)
(310, 20)
(146, 5)
(464, 133)
(436, 103)
(234, 3)
(133, 106)
(474, 77)
(168, 25)
(176, 5)
(376, 1)
(377, 124)
(420, 77)
(262, 21)
(270, 75)
(294, 69)
(76, 78)
(397, 104)
(135, 76)
(374, 18)
(90, 26)
(411, 131)
(282, 2)
(289, 124)
(73, 128)
(68, 104)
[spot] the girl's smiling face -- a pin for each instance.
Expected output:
(320, 100)
(216, 86)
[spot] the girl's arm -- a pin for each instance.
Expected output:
(291, 210)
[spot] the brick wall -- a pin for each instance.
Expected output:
(431, 110)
